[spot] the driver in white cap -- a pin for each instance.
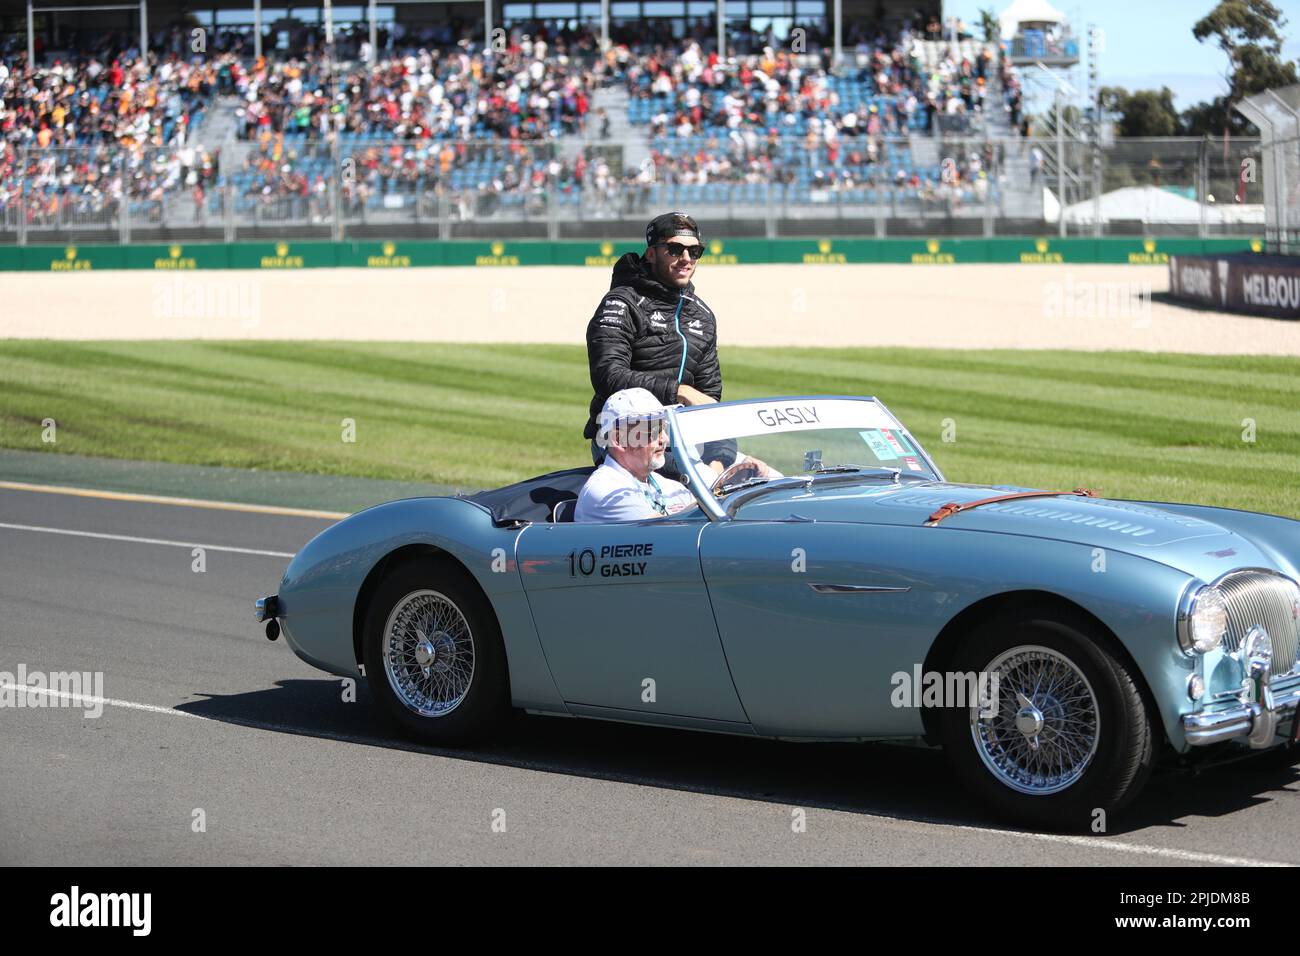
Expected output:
(625, 486)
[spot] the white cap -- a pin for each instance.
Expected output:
(625, 404)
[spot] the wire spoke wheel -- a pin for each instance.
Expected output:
(428, 653)
(1044, 732)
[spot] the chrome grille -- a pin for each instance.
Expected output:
(1270, 601)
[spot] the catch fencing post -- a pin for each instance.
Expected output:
(839, 34)
(990, 177)
(1060, 162)
(124, 217)
(371, 13)
(227, 187)
(336, 191)
(1098, 160)
(1202, 185)
(22, 195)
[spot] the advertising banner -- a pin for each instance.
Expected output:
(1249, 284)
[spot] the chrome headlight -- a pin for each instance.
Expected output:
(1204, 622)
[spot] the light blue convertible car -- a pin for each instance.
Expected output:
(1056, 645)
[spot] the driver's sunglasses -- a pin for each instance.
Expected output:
(677, 250)
(642, 431)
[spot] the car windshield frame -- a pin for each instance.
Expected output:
(690, 464)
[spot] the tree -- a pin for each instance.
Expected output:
(1143, 112)
(989, 25)
(1248, 32)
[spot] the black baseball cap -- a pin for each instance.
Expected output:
(670, 225)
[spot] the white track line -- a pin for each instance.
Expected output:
(91, 700)
(1091, 843)
(1141, 848)
(135, 540)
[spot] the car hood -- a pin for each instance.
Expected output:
(1191, 544)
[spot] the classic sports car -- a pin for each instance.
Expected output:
(1055, 644)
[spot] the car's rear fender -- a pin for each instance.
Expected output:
(326, 582)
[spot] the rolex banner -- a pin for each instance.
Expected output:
(1272, 291)
(1250, 284)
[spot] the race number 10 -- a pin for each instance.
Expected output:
(584, 562)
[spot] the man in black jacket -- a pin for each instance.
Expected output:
(651, 330)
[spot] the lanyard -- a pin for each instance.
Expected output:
(657, 499)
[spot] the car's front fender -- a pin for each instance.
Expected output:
(1274, 535)
(820, 663)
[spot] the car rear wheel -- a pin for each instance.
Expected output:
(1067, 734)
(434, 656)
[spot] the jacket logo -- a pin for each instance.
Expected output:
(658, 318)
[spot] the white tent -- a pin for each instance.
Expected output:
(1156, 205)
(1027, 11)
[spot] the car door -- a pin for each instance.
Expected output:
(624, 617)
(816, 618)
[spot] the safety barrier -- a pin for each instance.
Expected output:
(415, 254)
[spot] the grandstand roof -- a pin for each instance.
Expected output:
(166, 10)
(1027, 11)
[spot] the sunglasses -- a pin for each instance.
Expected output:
(677, 250)
(639, 432)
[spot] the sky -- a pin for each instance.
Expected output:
(1148, 43)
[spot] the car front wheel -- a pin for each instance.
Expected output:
(1066, 739)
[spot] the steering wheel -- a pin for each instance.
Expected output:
(746, 467)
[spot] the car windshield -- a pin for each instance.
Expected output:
(800, 436)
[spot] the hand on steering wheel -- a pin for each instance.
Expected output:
(741, 470)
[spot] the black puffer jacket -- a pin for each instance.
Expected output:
(637, 336)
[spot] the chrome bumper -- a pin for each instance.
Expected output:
(1257, 721)
(267, 608)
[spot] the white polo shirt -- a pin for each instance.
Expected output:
(613, 493)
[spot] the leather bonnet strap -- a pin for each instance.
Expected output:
(953, 507)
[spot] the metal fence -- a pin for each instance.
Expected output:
(742, 184)
(98, 192)
(1177, 186)
(1277, 114)
(1281, 177)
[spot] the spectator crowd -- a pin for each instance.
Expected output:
(83, 136)
(429, 113)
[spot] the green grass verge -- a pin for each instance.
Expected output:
(1132, 425)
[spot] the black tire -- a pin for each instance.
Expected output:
(483, 708)
(1124, 733)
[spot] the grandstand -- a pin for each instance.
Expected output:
(801, 117)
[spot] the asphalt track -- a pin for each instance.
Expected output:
(202, 713)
